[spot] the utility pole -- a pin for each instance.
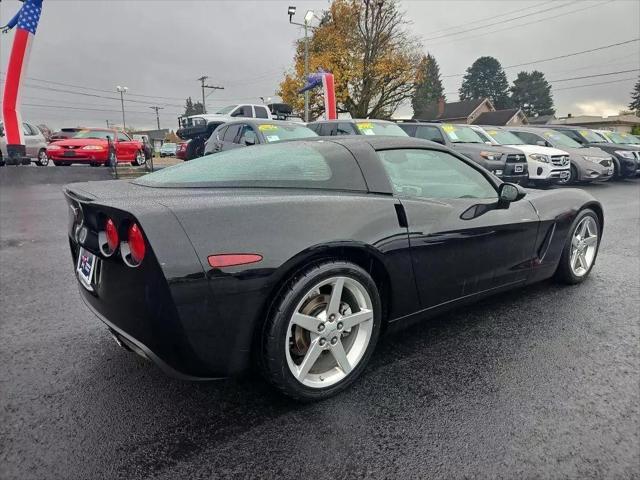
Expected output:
(157, 114)
(202, 79)
(122, 91)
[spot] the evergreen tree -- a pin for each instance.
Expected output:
(635, 98)
(532, 93)
(428, 87)
(486, 79)
(191, 108)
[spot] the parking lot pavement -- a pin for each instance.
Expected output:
(540, 383)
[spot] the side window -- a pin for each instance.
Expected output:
(408, 128)
(123, 137)
(528, 138)
(313, 127)
(26, 130)
(243, 111)
(261, 112)
(248, 136)
(430, 133)
(327, 129)
(232, 132)
(434, 174)
(219, 133)
(345, 129)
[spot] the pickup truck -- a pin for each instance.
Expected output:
(198, 128)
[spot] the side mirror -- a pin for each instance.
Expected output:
(541, 143)
(248, 141)
(488, 142)
(510, 192)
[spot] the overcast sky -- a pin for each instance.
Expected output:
(159, 49)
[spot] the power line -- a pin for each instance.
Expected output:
(493, 17)
(480, 27)
(550, 18)
(593, 76)
(82, 108)
(594, 84)
(543, 60)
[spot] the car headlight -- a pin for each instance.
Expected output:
(491, 155)
(538, 157)
(54, 147)
(625, 154)
(93, 147)
(594, 159)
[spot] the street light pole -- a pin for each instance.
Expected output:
(307, 21)
(122, 91)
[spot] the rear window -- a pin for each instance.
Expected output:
(321, 165)
(380, 128)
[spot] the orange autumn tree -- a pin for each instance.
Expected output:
(373, 57)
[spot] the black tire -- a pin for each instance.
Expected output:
(273, 341)
(94, 164)
(43, 159)
(2, 162)
(57, 164)
(564, 273)
(138, 162)
(573, 177)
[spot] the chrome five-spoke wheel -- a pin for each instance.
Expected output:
(329, 332)
(321, 330)
(584, 244)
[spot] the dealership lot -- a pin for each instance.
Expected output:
(542, 382)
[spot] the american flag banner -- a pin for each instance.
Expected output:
(26, 23)
(326, 80)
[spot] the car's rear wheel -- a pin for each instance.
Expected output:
(43, 158)
(140, 159)
(322, 331)
(2, 162)
(581, 248)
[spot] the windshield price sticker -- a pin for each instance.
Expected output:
(363, 126)
(267, 127)
(272, 138)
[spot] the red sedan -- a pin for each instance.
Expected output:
(91, 146)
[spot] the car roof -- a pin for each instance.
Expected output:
(263, 121)
(352, 120)
(379, 142)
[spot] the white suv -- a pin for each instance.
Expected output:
(546, 165)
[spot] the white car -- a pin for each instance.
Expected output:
(546, 165)
(35, 145)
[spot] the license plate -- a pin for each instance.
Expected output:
(519, 168)
(69, 153)
(85, 268)
(564, 174)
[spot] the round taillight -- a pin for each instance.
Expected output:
(136, 243)
(112, 235)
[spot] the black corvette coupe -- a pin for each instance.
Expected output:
(297, 255)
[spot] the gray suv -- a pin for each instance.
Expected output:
(588, 164)
(509, 164)
(34, 142)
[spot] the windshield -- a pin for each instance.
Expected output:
(380, 128)
(591, 137)
(504, 138)
(225, 110)
(558, 139)
(101, 134)
(311, 164)
(169, 145)
(461, 134)
(622, 138)
(275, 133)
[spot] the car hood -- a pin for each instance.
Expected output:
(79, 142)
(528, 149)
(588, 152)
(483, 147)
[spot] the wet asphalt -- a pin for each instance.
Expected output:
(541, 382)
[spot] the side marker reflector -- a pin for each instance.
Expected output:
(233, 259)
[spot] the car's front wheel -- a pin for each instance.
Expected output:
(322, 331)
(140, 159)
(43, 158)
(581, 248)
